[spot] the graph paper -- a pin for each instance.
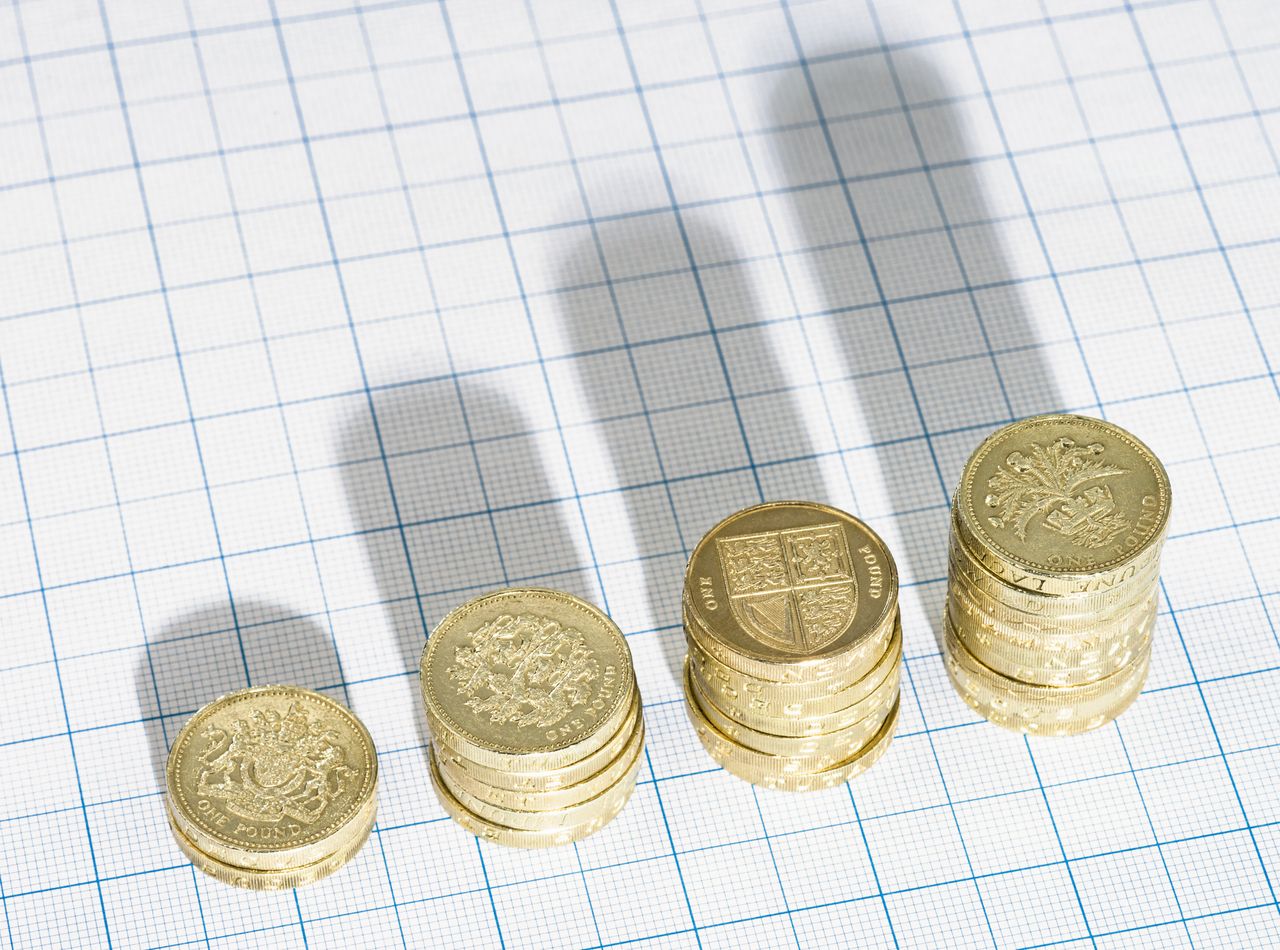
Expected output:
(318, 319)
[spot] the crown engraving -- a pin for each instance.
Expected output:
(525, 670)
(269, 766)
(1053, 482)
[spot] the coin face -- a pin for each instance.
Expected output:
(791, 582)
(272, 770)
(526, 671)
(1064, 494)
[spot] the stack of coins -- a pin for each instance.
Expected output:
(535, 718)
(1056, 533)
(271, 787)
(795, 647)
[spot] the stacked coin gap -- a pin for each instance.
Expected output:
(271, 787)
(537, 730)
(794, 645)
(1056, 533)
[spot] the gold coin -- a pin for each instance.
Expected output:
(505, 835)
(702, 713)
(788, 702)
(1046, 710)
(1052, 662)
(822, 749)
(553, 799)
(1087, 596)
(1057, 498)
(793, 735)
(258, 880)
(607, 801)
(1079, 638)
(1037, 720)
(791, 591)
(779, 773)
(544, 781)
(1049, 624)
(272, 778)
(526, 679)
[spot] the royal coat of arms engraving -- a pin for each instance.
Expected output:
(1056, 482)
(792, 589)
(269, 767)
(525, 670)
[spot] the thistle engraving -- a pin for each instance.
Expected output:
(1052, 482)
(792, 589)
(269, 766)
(524, 670)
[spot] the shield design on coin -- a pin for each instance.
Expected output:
(793, 589)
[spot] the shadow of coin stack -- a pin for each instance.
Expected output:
(536, 726)
(795, 645)
(1056, 533)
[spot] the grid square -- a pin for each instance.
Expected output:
(1165, 347)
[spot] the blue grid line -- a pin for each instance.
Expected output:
(756, 467)
(730, 923)
(792, 298)
(872, 895)
(602, 262)
(1195, 417)
(53, 647)
(111, 471)
(856, 221)
(1092, 382)
(28, 59)
(927, 168)
(343, 684)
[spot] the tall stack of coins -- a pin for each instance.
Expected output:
(535, 718)
(271, 787)
(1056, 533)
(795, 646)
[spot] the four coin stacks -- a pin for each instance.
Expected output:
(791, 678)
(794, 645)
(271, 787)
(535, 718)
(1056, 532)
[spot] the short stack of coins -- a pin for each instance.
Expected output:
(1056, 533)
(271, 787)
(536, 726)
(794, 645)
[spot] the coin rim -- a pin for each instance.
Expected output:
(512, 837)
(258, 879)
(565, 796)
(582, 769)
(1034, 693)
(728, 755)
(538, 820)
(808, 696)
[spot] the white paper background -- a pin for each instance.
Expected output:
(316, 320)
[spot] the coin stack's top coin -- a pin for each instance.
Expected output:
(790, 590)
(1052, 499)
(272, 786)
(791, 617)
(534, 714)
(1056, 533)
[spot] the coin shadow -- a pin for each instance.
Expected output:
(952, 314)
(448, 487)
(212, 651)
(694, 424)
